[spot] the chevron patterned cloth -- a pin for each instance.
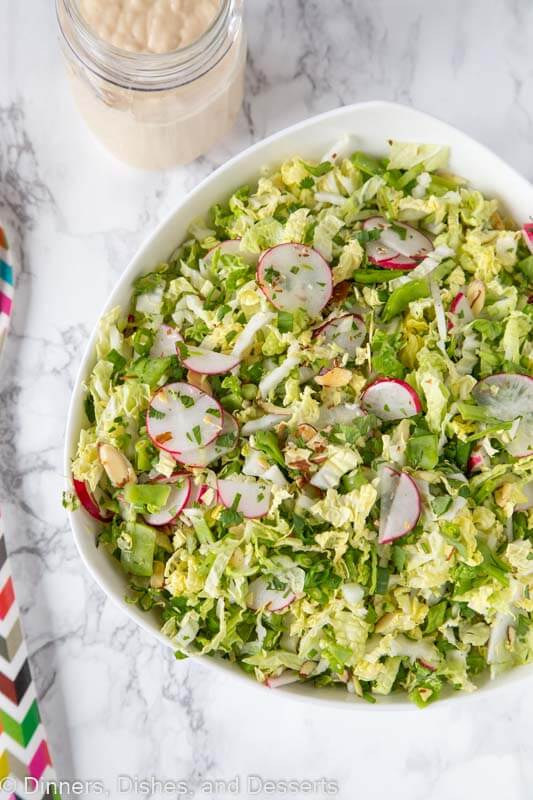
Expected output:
(25, 764)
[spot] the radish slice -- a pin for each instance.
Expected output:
(260, 596)
(390, 399)
(181, 416)
(505, 395)
(378, 253)
(286, 677)
(522, 443)
(415, 244)
(400, 505)
(198, 492)
(165, 342)
(526, 490)
(230, 247)
(295, 276)
(265, 423)
(398, 262)
(86, 498)
(177, 500)
(208, 362)
(461, 310)
(527, 233)
(202, 456)
(478, 460)
(254, 498)
(411, 243)
(348, 332)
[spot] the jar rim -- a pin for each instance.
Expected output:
(149, 72)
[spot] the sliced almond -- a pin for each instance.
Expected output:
(118, 469)
(336, 377)
(307, 668)
(386, 622)
(502, 495)
(306, 432)
(200, 381)
(158, 576)
(475, 294)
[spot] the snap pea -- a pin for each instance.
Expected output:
(367, 164)
(369, 276)
(139, 557)
(526, 266)
(400, 298)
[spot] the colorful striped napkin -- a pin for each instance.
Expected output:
(6, 288)
(25, 764)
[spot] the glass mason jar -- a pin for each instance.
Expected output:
(156, 110)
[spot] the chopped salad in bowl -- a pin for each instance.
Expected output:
(308, 442)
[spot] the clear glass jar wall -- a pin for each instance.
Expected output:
(156, 110)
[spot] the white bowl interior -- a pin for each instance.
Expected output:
(370, 125)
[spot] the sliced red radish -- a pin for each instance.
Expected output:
(86, 498)
(198, 493)
(295, 276)
(522, 442)
(178, 498)
(224, 443)
(208, 362)
(390, 399)
(400, 238)
(461, 310)
(527, 233)
(286, 677)
(478, 459)
(527, 491)
(230, 247)
(400, 505)
(181, 417)
(377, 252)
(505, 395)
(347, 332)
(253, 498)
(261, 596)
(165, 342)
(398, 262)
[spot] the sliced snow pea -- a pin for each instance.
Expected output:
(400, 298)
(369, 276)
(139, 557)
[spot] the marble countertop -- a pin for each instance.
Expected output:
(116, 702)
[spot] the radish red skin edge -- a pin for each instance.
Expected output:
(151, 518)
(391, 399)
(512, 396)
(405, 507)
(527, 233)
(312, 285)
(88, 502)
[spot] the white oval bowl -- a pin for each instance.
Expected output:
(370, 125)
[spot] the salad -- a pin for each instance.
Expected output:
(309, 440)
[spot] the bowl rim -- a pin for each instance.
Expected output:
(335, 698)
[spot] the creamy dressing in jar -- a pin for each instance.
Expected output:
(149, 26)
(158, 81)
